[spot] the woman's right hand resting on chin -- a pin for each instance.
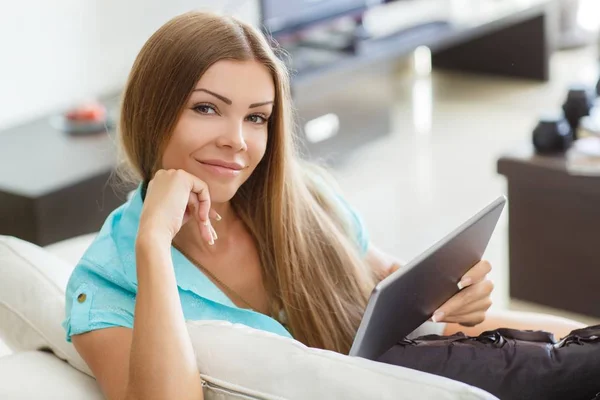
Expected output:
(172, 198)
(155, 359)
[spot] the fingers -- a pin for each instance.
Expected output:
(476, 274)
(214, 215)
(199, 201)
(203, 225)
(200, 189)
(469, 311)
(470, 320)
(173, 197)
(393, 268)
(464, 302)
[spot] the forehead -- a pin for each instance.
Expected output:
(244, 81)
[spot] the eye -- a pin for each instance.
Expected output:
(258, 119)
(204, 109)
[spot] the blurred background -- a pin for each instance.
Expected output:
(426, 110)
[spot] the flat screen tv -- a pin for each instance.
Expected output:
(280, 17)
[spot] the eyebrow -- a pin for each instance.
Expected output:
(229, 102)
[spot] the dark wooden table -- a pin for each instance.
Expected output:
(554, 232)
(54, 186)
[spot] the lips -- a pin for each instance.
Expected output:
(236, 166)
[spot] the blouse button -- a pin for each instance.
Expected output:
(81, 298)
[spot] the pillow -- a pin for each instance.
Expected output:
(40, 375)
(32, 300)
(234, 360)
(228, 355)
(71, 250)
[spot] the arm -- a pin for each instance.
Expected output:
(155, 360)
(169, 370)
(381, 263)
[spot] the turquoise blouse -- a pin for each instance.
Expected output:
(102, 288)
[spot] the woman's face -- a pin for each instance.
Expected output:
(221, 135)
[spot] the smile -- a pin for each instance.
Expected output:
(221, 168)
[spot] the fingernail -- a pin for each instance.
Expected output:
(206, 222)
(437, 316)
(217, 216)
(214, 233)
(464, 283)
(211, 241)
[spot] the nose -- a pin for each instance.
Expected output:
(233, 137)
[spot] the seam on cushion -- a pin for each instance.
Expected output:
(31, 325)
(228, 385)
(20, 256)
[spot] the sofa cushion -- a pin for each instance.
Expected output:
(71, 250)
(235, 361)
(32, 300)
(40, 375)
(276, 367)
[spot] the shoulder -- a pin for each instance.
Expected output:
(111, 256)
(99, 295)
(329, 193)
(102, 287)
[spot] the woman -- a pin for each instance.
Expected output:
(228, 222)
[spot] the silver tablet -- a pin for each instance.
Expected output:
(407, 298)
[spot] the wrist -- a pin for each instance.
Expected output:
(153, 239)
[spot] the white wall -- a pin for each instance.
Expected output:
(56, 53)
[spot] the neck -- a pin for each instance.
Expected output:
(189, 236)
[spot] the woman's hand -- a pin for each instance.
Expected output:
(173, 198)
(469, 306)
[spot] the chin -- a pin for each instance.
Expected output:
(220, 199)
(222, 193)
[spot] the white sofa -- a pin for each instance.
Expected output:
(235, 361)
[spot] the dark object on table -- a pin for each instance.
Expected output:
(80, 127)
(87, 118)
(509, 363)
(598, 88)
(553, 134)
(580, 101)
(553, 232)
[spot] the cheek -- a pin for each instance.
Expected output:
(257, 145)
(193, 131)
(190, 134)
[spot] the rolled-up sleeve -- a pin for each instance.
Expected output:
(97, 298)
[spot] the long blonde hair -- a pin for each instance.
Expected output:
(311, 264)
